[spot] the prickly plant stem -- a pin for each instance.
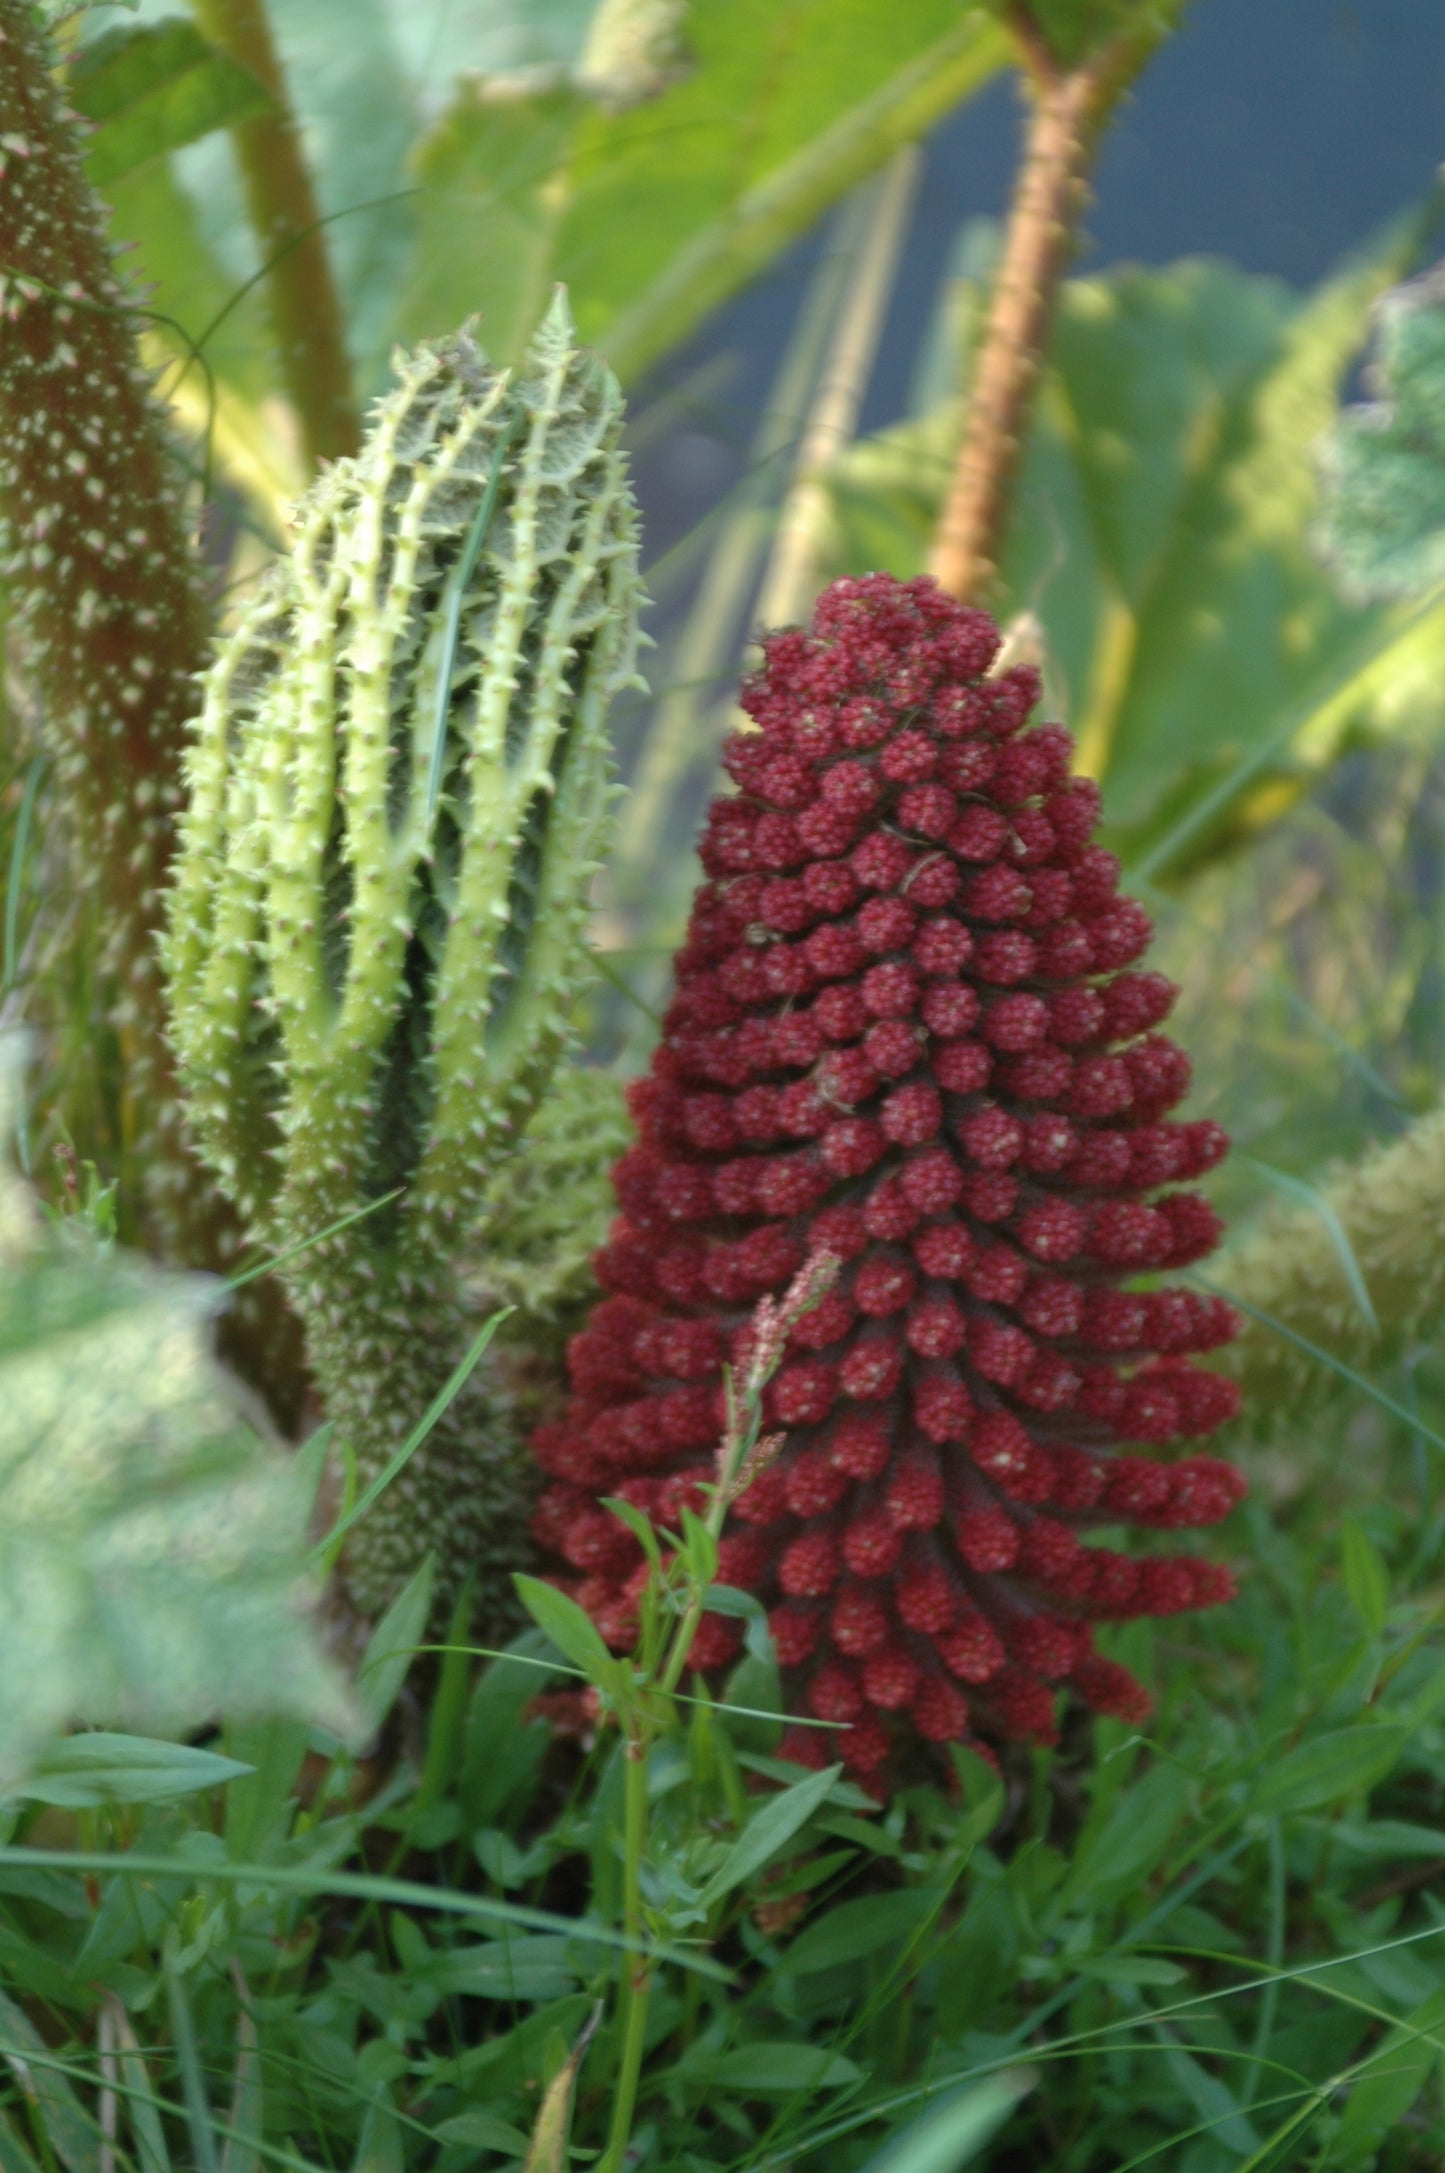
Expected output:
(107, 598)
(301, 293)
(1068, 110)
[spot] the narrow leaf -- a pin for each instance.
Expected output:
(769, 1829)
(573, 1632)
(80, 1772)
(70, 2134)
(1366, 1578)
(1327, 1768)
(547, 2152)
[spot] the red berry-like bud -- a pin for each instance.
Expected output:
(908, 1030)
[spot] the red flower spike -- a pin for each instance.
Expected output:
(910, 1030)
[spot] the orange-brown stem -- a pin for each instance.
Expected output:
(301, 293)
(1068, 109)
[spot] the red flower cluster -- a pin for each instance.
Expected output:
(905, 1033)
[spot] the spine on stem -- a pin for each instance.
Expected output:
(1068, 110)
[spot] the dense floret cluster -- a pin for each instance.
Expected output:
(907, 1032)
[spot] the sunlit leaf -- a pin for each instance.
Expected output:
(653, 215)
(1383, 527)
(151, 1552)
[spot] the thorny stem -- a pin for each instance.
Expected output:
(1068, 110)
(109, 605)
(305, 312)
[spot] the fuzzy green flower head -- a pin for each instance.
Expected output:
(399, 791)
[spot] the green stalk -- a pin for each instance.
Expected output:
(636, 1966)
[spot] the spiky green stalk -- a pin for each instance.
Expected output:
(1386, 1211)
(112, 622)
(400, 786)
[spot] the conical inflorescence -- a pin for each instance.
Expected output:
(399, 794)
(908, 1032)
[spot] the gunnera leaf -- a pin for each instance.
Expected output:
(1383, 523)
(152, 1550)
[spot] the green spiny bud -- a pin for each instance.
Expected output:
(1380, 1217)
(399, 792)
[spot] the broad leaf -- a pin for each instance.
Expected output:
(1384, 520)
(150, 1550)
(780, 2070)
(653, 215)
(1394, 2076)
(857, 1928)
(948, 2137)
(573, 1632)
(393, 1645)
(150, 87)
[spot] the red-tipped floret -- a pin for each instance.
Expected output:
(909, 1029)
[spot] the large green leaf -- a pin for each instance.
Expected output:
(1161, 534)
(150, 1551)
(151, 87)
(653, 215)
(1384, 526)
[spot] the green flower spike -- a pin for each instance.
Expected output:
(399, 794)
